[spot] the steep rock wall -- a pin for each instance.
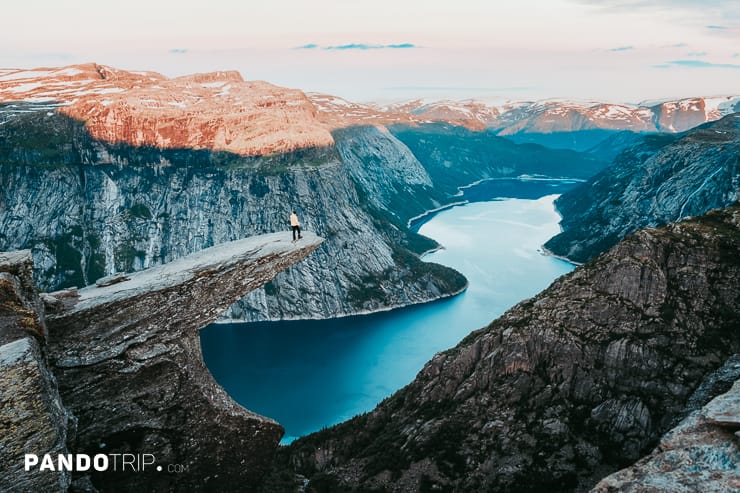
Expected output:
(701, 454)
(662, 179)
(390, 175)
(83, 222)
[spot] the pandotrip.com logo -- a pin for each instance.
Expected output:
(99, 463)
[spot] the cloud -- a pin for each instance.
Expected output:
(727, 31)
(697, 53)
(357, 46)
(364, 46)
(354, 46)
(736, 55)
(697, 64)
(178, 51)
(622, 48)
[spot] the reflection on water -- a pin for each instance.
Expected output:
(312, 374)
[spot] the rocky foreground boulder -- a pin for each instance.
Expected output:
(563, 389)
(701, 454)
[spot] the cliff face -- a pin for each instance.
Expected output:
(96, 186)
(126, 353)
(83, 221)
(663, 179)
(563, 388)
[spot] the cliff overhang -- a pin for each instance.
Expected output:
(126, 361)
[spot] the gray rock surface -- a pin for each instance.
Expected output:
(381, 164)
(663, 179)
(33, 419)
(724, 411)
(701, 454)
(127, 357)
(87, 221)
(561, 390)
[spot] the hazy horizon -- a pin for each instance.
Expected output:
(608, 50)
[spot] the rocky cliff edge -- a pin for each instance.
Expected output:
(33, 419)
(701, 454)
(127, 363)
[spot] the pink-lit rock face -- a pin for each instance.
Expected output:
(217, 111)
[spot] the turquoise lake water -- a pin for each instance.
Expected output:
(311, 374)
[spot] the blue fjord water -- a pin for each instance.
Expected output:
(311, 374)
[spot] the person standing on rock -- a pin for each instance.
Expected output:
(295, 225)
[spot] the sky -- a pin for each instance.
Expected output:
(388, 50)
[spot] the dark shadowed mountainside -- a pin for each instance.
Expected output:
(663, 179)
(454, 155)
(564, 388)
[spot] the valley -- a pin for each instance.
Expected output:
(272, 368)
(109, 174)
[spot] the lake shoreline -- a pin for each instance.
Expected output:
(549, 253)
(417, 222)
(362, 313)
(271, 366)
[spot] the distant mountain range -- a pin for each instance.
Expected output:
(221, 111)
(556, 123)
(575, 125)
(555, 115)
